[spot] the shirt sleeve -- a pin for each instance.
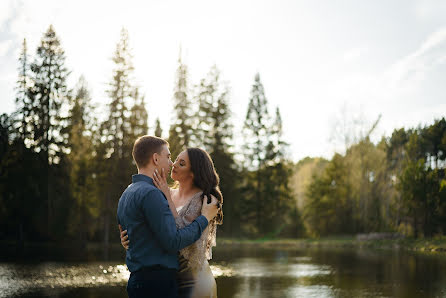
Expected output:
(162, 223)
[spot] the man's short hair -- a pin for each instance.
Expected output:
(145, 147)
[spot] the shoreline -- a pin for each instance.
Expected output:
(428, 245)
(94, 251)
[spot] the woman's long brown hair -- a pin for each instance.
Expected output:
(205, 177)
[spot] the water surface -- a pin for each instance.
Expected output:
(250, 271)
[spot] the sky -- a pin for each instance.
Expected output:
(321, 62)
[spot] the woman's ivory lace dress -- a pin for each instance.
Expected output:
(195, 277)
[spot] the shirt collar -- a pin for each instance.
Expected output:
(141, 177)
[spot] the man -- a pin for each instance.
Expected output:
(144, 212)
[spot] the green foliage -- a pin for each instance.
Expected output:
(388, 186)
(369, 179)
(329, 209)
(81, 164)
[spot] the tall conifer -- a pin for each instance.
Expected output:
(180, 131)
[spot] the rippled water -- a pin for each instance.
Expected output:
(250, 271)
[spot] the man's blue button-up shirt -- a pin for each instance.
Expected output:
(154, 239)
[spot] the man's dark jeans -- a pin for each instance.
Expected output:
(159, 282)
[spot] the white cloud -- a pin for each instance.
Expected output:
(411, 70)
(5, 10)
(354, 54)
(430, 9)
(5, 46)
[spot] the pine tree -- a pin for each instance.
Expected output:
(278, 171)
(48, 94)
(180, 131)
(4, 133)
(202, 120)
(117, 131)
(20, 188)
(158, 130)
(212, 126)
(120, 92)
(80, 158)
(214, 129)
(256, 138)
(256, 127)
(138, 118)
(23, 104)
(277, 147)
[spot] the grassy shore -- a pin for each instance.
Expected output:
(93, 251)
(430, 245)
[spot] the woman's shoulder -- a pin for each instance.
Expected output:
(195, 202)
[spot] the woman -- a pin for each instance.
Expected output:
(195, 178)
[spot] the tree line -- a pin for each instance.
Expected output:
(63, 168)
(64, 164)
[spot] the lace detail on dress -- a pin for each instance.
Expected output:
(200, 251)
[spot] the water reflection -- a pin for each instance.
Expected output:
(287, 272)
(252, 267)
(250, 271)
(16, 279)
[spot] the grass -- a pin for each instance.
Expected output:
(425, 245)
(94, 250)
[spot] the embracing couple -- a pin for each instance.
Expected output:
(168, 233)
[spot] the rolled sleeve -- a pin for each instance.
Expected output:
(202, 221)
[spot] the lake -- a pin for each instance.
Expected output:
(248, 270)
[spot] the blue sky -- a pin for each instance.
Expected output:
(320, 61)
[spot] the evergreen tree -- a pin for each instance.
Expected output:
(214, 130)
(158, 130)
(4, 133)
(256, 139)
(422, 180)
(81, 124)
(22, 126)
(180, 131)
(276, 149)
(118, 133)
(256, 127)
(121, 92)
(396, 152)
(48, 95)
(138, 118)
(435, 138)
(279, 171)
(204, 97)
